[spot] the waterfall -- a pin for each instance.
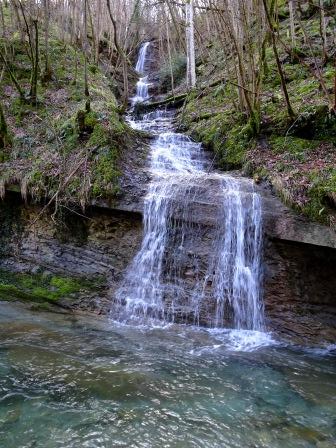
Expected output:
(173, 277)
(142, 84)
(236, 264)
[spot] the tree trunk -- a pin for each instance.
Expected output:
(170, 57)
(176, 26)
(4, 138)
(86, 82)
(34, 76)
(335, 87)
(323, 30)
(94, 37)
(120, 51)
(292, 21)
(2, 20)
(47, 69)
(18, 23)
(190, 38)
(290, 111)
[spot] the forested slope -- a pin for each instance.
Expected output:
(63, 134)
(262, 98)
(239, 109)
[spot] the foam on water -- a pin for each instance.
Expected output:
(244, 340)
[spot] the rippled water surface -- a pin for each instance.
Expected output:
(78, 382)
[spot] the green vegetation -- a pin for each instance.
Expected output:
(43, 287)
(322, 194)
(297, 156)
(293, 148)
(56, 146)
(70, 142)
(177, 68)
(106, 174)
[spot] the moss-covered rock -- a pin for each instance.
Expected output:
(41, 287)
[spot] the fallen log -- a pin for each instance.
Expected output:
(170, 102)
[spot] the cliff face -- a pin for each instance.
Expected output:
(298, 282)
(299, 291)
(92, 250)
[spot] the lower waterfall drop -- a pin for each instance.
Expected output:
(171, 279)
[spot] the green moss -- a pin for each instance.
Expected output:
(316, 123)
(283, 10)
(116, 125)
(18, 110)
(11, 292)
(227, 135)
(43, 306)
(67, 128)
(90, 120)
(99, 137)
(329, 73)
(238, 141)
(272, 78)
(65, 286)
(93, 68)
(106, 173)
(292, 145)
(306, 87)
(76, 94)
(322, 194)
(4, 156)
(40, 287)
(295, 72)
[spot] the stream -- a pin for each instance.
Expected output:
(143, 377)
(78, 382)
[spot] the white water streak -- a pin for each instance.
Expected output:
(154, 285)
(143, 84)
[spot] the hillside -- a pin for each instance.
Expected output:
(296, 155)
(56, 151)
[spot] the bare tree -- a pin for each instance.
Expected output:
(268, 13)
(86, 82)
(190, 38)
(4, 137)
(291, 5)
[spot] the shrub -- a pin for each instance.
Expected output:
(178, 67)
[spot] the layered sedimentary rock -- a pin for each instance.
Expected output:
(299, 259)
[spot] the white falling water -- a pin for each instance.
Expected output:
(142, 84)
(236, 264)
(172, 278)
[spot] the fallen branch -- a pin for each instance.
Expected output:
(61, 186)
(172, 101)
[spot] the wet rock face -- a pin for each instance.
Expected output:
(299, 282)
(300, 291)
(299, 287)
(100, 246)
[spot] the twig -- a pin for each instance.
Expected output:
(77, 213)
(55, 196)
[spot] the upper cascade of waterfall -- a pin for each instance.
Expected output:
(172, 278)
(142, 84)
(140, 65)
